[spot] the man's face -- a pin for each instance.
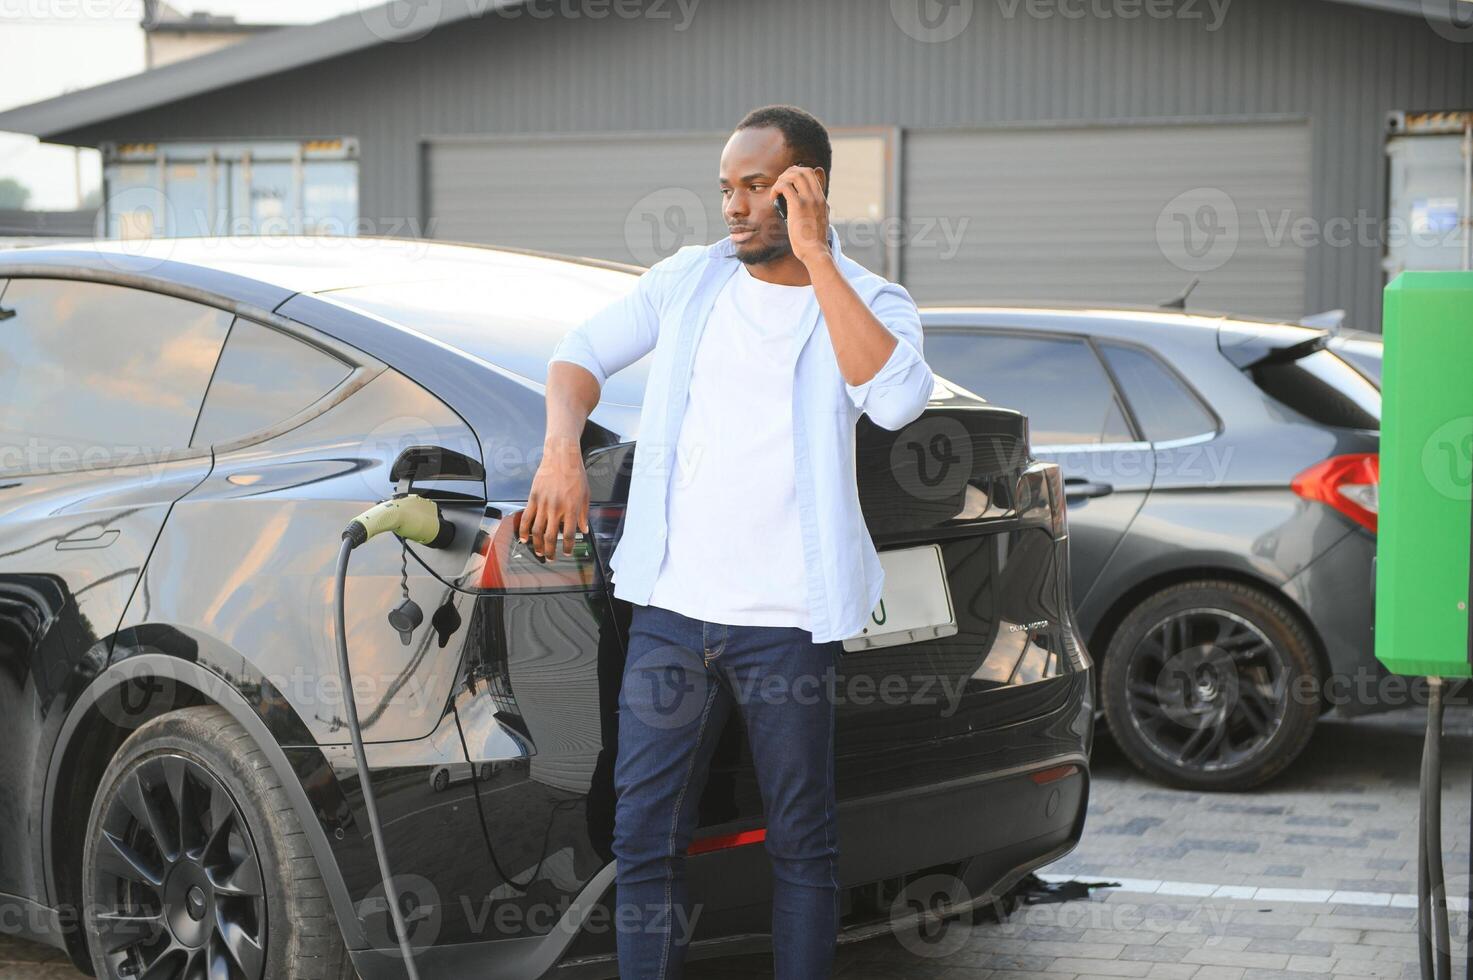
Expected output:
(752, 160)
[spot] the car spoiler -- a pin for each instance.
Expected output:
(1249, 345)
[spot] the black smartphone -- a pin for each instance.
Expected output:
(781, 205)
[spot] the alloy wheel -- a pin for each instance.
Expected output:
(177, 878)
(1206, 689)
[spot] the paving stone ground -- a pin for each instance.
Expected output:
(1308, 877)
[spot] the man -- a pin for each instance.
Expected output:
(744, 551)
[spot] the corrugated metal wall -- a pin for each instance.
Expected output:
(700, 65)
(1094, 214)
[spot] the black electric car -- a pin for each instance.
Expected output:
(1221, 476)
(187, 426)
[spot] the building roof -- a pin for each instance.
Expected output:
(293, 47)
(265, 54)
(160, 16)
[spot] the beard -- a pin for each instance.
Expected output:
(760, 253)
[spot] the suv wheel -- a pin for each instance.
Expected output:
(1211, 685)
(195, 864)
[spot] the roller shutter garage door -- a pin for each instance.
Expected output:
(627, 197)
(1109, 214)
(621, 198)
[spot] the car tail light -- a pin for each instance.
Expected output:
(501, 562)
(1349, 483)
(726, 842)
(1041, 498)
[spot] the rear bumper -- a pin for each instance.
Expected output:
(974, 808)
(981, 835)
(1337, 593)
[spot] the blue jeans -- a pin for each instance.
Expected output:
(681, 679)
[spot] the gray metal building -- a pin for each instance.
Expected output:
(1102, 150)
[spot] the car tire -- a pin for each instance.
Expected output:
(441, 782)
(1176, 712)
(194, 850)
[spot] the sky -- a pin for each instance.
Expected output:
(56, 46)
(276, 11)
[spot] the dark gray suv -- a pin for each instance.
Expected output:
(1221, 476)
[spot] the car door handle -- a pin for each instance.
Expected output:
(1078, 489)
(80, 540)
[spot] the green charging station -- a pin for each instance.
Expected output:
(1424, 543)
(1424, 538)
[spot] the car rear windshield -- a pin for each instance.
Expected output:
(1322, 387)
(512, 321)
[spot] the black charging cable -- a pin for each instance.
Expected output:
(345, 675)
(1434, 954)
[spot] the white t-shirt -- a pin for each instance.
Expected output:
(733, 546)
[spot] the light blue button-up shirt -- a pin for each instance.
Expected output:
(665, 313)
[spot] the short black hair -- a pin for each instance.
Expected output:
(804, 134)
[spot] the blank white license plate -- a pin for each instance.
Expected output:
(916, 604)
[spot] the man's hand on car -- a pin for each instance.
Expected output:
(558, 500)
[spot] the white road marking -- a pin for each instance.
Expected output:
(1207, 889)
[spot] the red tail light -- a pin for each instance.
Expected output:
(727, 841)
(1349, 483)
(502, 562)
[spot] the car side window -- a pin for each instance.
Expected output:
(1058, 382)
(264, 376)
(96, 375)
(1163, 405)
